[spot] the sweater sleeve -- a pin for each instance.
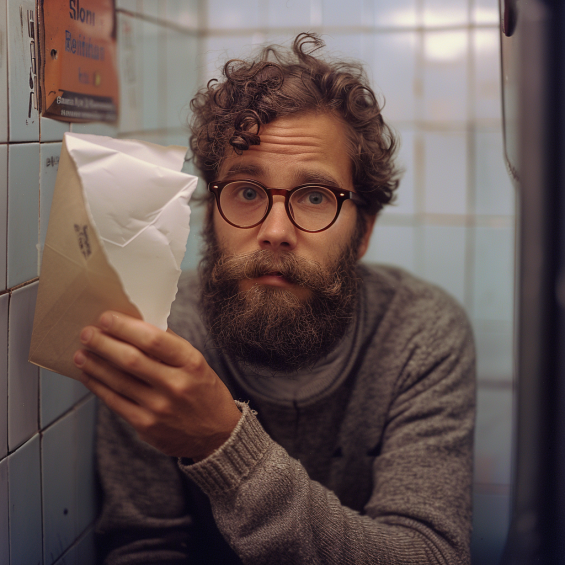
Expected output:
(270, 511)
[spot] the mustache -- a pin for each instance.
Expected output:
(297, 270)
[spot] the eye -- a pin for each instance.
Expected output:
(249, 193)
(315, 198)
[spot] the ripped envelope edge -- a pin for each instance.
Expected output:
(77, 283)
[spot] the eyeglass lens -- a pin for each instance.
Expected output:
(244, 204)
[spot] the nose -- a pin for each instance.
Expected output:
(277, 232)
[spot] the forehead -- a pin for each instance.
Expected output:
(296, 149)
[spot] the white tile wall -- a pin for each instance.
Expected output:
(486, 51)
(3, 212)
(3, 73)
(494, 274)
(23, 377)
(444, 258)
(445, 76)
(226, 14)
(352, 13)
(24, 118)
(393, 245)
(445, 12)
(4, 518)
(23, 212)
(394, 73)
(25, 509)
(4, 302)
(445, 177)
(396, 13)
(289, 13)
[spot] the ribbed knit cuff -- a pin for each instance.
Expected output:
(228, 466)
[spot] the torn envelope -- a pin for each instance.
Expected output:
(116, 237)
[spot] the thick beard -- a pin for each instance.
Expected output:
(271, 327)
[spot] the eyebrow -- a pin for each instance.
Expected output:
(302, 176)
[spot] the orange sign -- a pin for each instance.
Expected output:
(78, 63)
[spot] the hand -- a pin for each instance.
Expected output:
(159, 383)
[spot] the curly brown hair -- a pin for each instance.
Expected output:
(279, 82)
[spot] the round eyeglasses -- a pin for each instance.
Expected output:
(311, 207)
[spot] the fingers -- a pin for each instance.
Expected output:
(136, 415)
(167, 346)
(123, 384)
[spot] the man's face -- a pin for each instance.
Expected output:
(274, 295)
(294, 150)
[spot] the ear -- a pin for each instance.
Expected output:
(364, 243)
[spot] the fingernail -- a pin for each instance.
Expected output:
(85, 335)
(106, 321)
(79, 359)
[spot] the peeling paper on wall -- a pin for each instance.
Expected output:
(117, 235)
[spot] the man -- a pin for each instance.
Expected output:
(350, 439)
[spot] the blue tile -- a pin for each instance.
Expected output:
(494, 193)
(25, 504)
(445, 84)
(3, 76)
(69, 558)
(491, 518)
(183, 12)
(445, 12)
(487, 95)
(288, 13)
(86, 496)
(495, 349)
(153, 8)
(49, 156)
(193, 255)
(58, 394)
(393, 245)
(486, 12)
(394, 73)
(358, 46)
(131, 74)
(130, 5)
(493, 436)
(23, 212)
(24, 117)
(352, 13)
(23, 377)
(52, 130)
(59, 487)
(226, 14)
(444, 258)
(86, 549)
(153, 107)
(494, 274)
(396, 13)
(4, 301)
(217, 50)
(445, 172)
(182, 77)
(405, 202)
(96, 128)
(4, 513)
(3, 213)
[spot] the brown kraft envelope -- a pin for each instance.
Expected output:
(77, 283)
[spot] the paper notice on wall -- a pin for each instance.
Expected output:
(116, 238)
(77, 60)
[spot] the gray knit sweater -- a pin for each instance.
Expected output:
(375, 468)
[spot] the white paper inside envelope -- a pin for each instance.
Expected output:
(138, 201)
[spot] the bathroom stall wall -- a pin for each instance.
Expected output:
(436, 62)
(48, 496)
